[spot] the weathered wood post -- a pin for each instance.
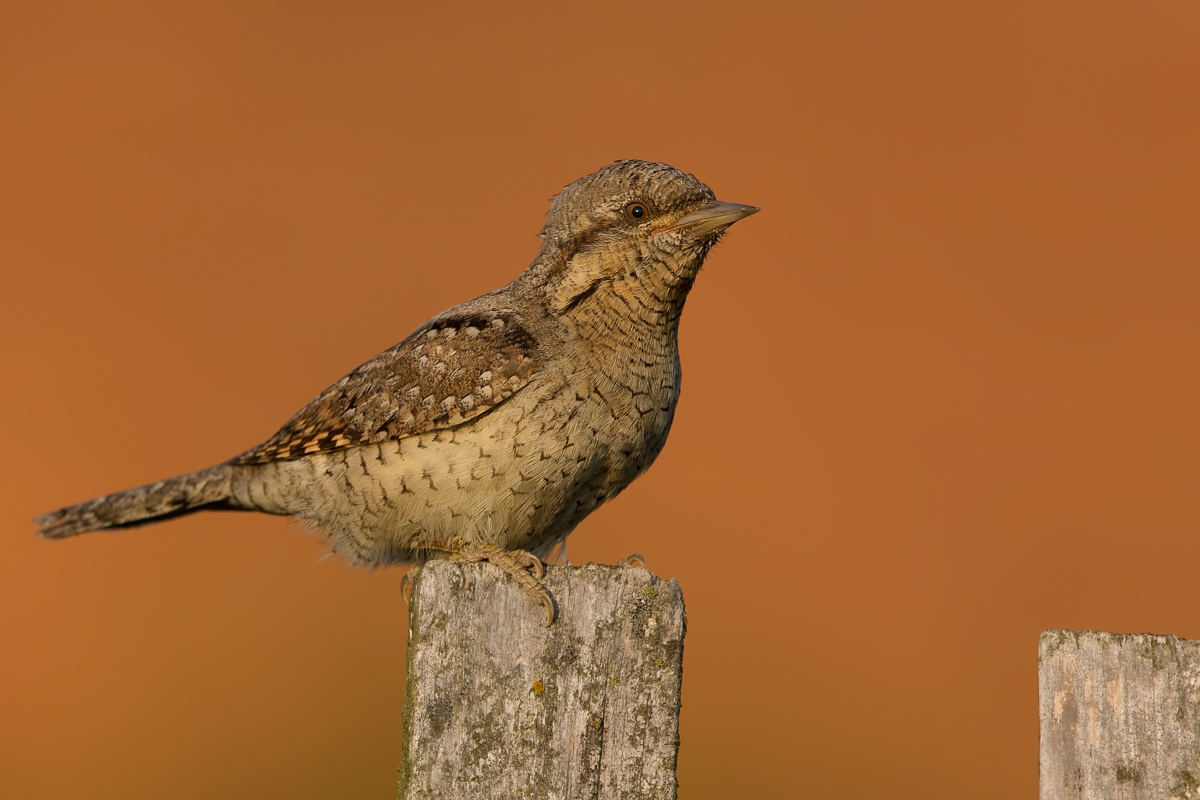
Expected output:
(1120, 716)
(498, 705)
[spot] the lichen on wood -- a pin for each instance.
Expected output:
(499, 705)
(1120, 716)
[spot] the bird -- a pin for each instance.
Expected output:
(494, 428)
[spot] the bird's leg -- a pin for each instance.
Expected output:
(525, 568)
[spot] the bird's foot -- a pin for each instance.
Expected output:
(525, 568)
(633, 560)
(406, 583)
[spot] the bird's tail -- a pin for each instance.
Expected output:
(206, 489)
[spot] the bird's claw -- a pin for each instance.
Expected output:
(530, 562)
(546, 600)
(633, 560)
(406, 586)
(525, 568)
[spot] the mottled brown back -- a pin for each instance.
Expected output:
(447, 372)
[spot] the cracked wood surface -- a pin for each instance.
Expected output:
(500, 705)
(1120, 716)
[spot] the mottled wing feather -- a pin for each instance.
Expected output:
(450, 370)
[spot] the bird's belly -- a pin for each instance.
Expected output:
(523, 480)
(399, 501)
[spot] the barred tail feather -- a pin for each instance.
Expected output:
(206, 489)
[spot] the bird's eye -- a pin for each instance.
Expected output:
(637, 211)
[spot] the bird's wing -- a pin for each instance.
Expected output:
(449, 370)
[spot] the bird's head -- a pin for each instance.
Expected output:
(639, 228)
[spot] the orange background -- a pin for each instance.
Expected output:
(940, 395)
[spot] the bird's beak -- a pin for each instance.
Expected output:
(713, 216)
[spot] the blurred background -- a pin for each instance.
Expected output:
(939, 396)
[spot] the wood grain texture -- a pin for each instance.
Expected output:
(1119, 716)
(500, 705)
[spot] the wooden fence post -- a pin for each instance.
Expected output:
(499, 705)
(1120, 716)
